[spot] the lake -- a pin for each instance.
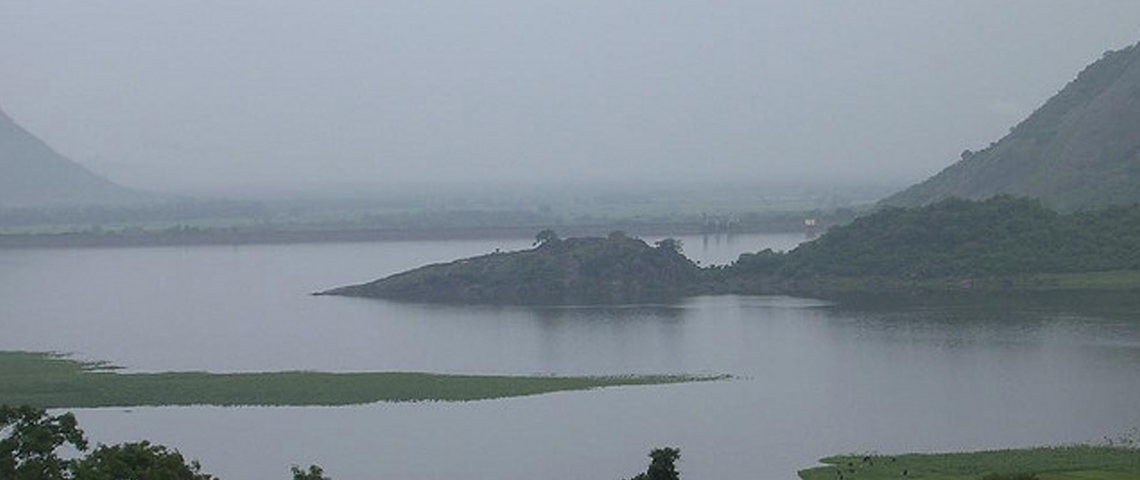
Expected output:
(813, 378)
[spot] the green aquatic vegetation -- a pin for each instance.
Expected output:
(49, 380)
(1046, 463)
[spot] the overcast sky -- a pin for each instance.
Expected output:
(206, 96)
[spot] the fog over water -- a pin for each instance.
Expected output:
(307, 96)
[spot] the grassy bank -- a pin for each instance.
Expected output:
(53, 381)
(1052, 463)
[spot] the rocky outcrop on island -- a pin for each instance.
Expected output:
(612, 270)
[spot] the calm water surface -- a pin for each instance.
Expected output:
(814, 378)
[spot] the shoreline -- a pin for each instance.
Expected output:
(854, 290)
(832, 287)
(229, 236)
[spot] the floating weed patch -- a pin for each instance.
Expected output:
(49, 380)
(1049, 463)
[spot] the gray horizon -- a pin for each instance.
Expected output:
(192, 97)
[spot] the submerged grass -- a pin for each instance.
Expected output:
(1046, 463)
(49, 380)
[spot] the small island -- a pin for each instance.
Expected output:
(1000, 244)
(615, 269)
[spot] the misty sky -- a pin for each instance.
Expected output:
(209, 95)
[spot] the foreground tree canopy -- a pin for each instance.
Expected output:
(30, 441)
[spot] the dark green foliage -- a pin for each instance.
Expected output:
(671, 244)
(29, 438)
(662, 465)
(315, 472)
(137, 461)
(962, 239)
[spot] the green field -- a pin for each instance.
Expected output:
(49, 380)
(1047, 463)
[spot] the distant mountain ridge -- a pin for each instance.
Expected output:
(33, 175)
(1079, 150)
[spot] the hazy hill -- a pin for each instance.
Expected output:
(34, 175)
(1081, 149)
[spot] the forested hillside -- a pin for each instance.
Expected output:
(1079, 150)
(961, 238)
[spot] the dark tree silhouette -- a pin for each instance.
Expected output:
(28, 449)
(137, 461)
(544, 237)
(314, 472)
(671, 244)
(30, 440)
(662, 465)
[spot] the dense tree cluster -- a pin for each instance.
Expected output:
(961, 238)
(31, 439)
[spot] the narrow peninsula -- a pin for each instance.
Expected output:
(1000, 244)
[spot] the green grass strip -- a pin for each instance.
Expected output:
(1046, 463)
(49, 380)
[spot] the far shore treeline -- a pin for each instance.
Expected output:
(1003, 243)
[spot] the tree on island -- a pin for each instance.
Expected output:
(662, 465)
(545, 237)
(315, 472)
(670, 244)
